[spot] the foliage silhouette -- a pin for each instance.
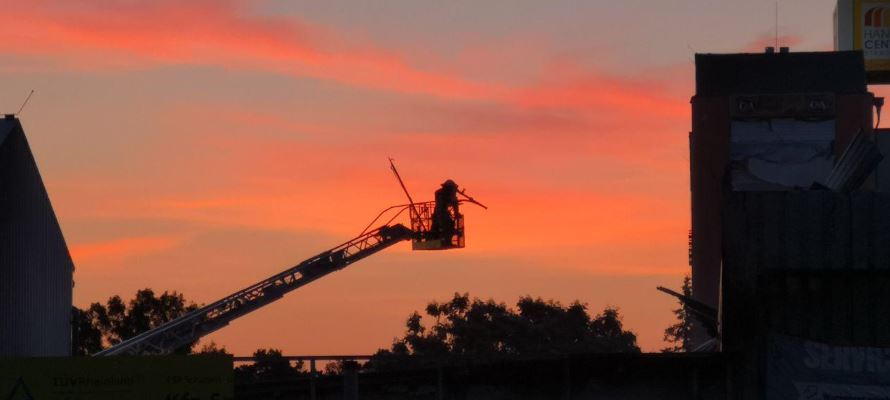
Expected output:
(680, 333)
(478, 330)
(465, 328)
(270, 365)
(86, 338)
(116, 321)
(213, 348)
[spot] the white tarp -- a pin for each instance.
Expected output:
(780, 154)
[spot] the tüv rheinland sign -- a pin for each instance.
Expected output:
(201, 377)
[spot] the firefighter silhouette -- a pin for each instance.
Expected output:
(446, 211)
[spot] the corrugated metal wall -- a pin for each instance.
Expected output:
(807, 230)
(841, 308)
(809, 264)
(35, 266)
(770, 233)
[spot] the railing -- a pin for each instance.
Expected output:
(428, 238)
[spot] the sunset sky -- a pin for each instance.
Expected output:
(200, 146)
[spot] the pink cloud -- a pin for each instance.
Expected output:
(227, 34)
(118, 249)
(213, 33)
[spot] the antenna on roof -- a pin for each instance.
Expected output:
(777, 24)
(24, 103)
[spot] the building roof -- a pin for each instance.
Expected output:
(784, 72)
(6, 126)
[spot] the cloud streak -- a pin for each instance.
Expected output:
(109, 35)
(228, 35)
(122, 248)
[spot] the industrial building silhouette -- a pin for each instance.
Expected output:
(36, 270)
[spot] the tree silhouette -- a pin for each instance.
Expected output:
(480, 329)
(270, 365)
(213, 348)
(680, 333)
(341, 366)
(86, 338)
(117, 321)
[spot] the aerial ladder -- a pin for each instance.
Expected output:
(188, 328)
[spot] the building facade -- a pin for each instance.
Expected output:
(36, 270)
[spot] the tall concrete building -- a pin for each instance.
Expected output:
(790, 223)
(36, 270)
(765, 122)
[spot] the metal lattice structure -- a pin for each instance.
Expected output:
(192, 326)
(422, 215)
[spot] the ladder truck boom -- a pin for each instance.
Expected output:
(435, 225)
(196, 324)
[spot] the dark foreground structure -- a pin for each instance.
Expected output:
(589, 376)
(766, 122)
(791, 223)
(36, 270)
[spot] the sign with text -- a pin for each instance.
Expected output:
(199, 377)
(804, 369)
(865, 25)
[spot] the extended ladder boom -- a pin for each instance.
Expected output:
(196, 324)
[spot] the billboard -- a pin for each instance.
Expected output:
(807, 370)
(865, 25)
(202, 377)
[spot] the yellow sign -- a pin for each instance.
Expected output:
(204, 377)
(865, 25)
(871, 32)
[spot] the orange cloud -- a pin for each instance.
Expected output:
(212, 33)
(117, 249)
(570, 86)
(227, 34)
